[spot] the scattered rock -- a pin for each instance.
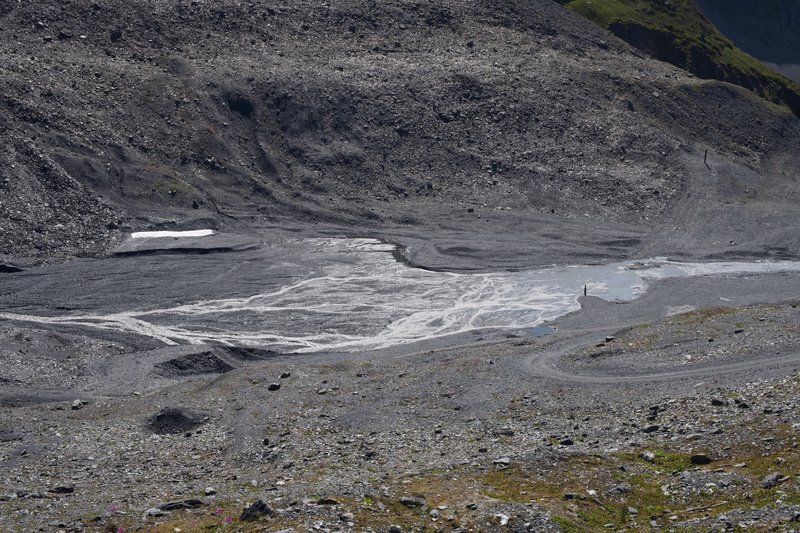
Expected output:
(174, 421)
(414, 501)
(772, 479)
(622, 488)
(651, 429)
(62, 490)
(256, 511)
(648, 456)
(502, 519)
(193, 364)
(9, 435)
(77, 404)
(210, 491)
(394, 528)
(700, 459)
(503, 462)
(327, 501)
(182, 504)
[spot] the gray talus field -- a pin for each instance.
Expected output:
(121, 114)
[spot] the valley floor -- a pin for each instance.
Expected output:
(674, 411)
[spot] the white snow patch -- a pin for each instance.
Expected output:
(173, 234)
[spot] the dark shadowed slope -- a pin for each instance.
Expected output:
(768, 30)
(677, 32)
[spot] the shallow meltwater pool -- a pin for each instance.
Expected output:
(362, 298)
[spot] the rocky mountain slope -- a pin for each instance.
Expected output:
(677, 32)
(132, 114)
(769, 31)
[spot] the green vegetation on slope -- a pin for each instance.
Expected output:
(677, 32)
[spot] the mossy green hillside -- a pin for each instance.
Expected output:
(677, 32)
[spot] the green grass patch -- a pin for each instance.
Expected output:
(700, 316)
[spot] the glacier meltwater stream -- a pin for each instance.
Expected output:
(372, 301)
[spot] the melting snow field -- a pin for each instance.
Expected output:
(371, 301)
(172, 234)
